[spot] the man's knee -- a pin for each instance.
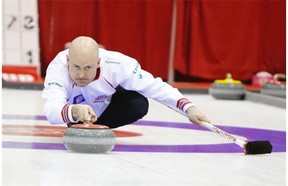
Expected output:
(140, 108)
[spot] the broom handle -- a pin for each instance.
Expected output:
(224, 134)
(215, 129)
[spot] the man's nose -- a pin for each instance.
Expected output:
(81, 73)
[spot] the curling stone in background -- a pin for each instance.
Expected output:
(89, 138)
(228, 89)
(276, 87)
(261, 78)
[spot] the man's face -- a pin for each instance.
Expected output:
(82, 72)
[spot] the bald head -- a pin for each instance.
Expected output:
(84, 47)
(83, 60)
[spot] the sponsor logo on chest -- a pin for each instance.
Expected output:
(100, 98)
(78, 99)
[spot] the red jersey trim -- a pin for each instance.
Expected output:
(98, 73)
(182, 102)
(64, 114)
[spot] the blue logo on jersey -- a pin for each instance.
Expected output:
(78, 99)
(136, 68)
(140, 76)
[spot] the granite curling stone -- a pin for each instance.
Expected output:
(276, 87)
(89, 138)
(228, 89)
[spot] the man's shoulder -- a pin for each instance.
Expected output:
(114, 57)
(60, 58)
(59, 63)
(62, 54)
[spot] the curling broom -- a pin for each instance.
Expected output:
(252, 147)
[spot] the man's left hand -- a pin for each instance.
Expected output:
(196, 116)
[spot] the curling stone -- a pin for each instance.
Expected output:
(89, 138)
(228, 89)
(261, 78)
(275, 87)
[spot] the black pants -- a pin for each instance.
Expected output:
(125, 108)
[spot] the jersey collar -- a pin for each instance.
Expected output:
(97, 73)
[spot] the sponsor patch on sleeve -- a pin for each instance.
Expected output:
(55, 84)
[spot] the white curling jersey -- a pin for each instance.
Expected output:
(60, 92)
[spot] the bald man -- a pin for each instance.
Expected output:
(106, 87)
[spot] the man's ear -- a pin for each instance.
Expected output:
(67, 57)
(98, 62)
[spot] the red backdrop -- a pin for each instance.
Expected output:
(213, 37)
(140, 29)
(240, 37)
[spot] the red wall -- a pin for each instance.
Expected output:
(240, 37)
(213, 37)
